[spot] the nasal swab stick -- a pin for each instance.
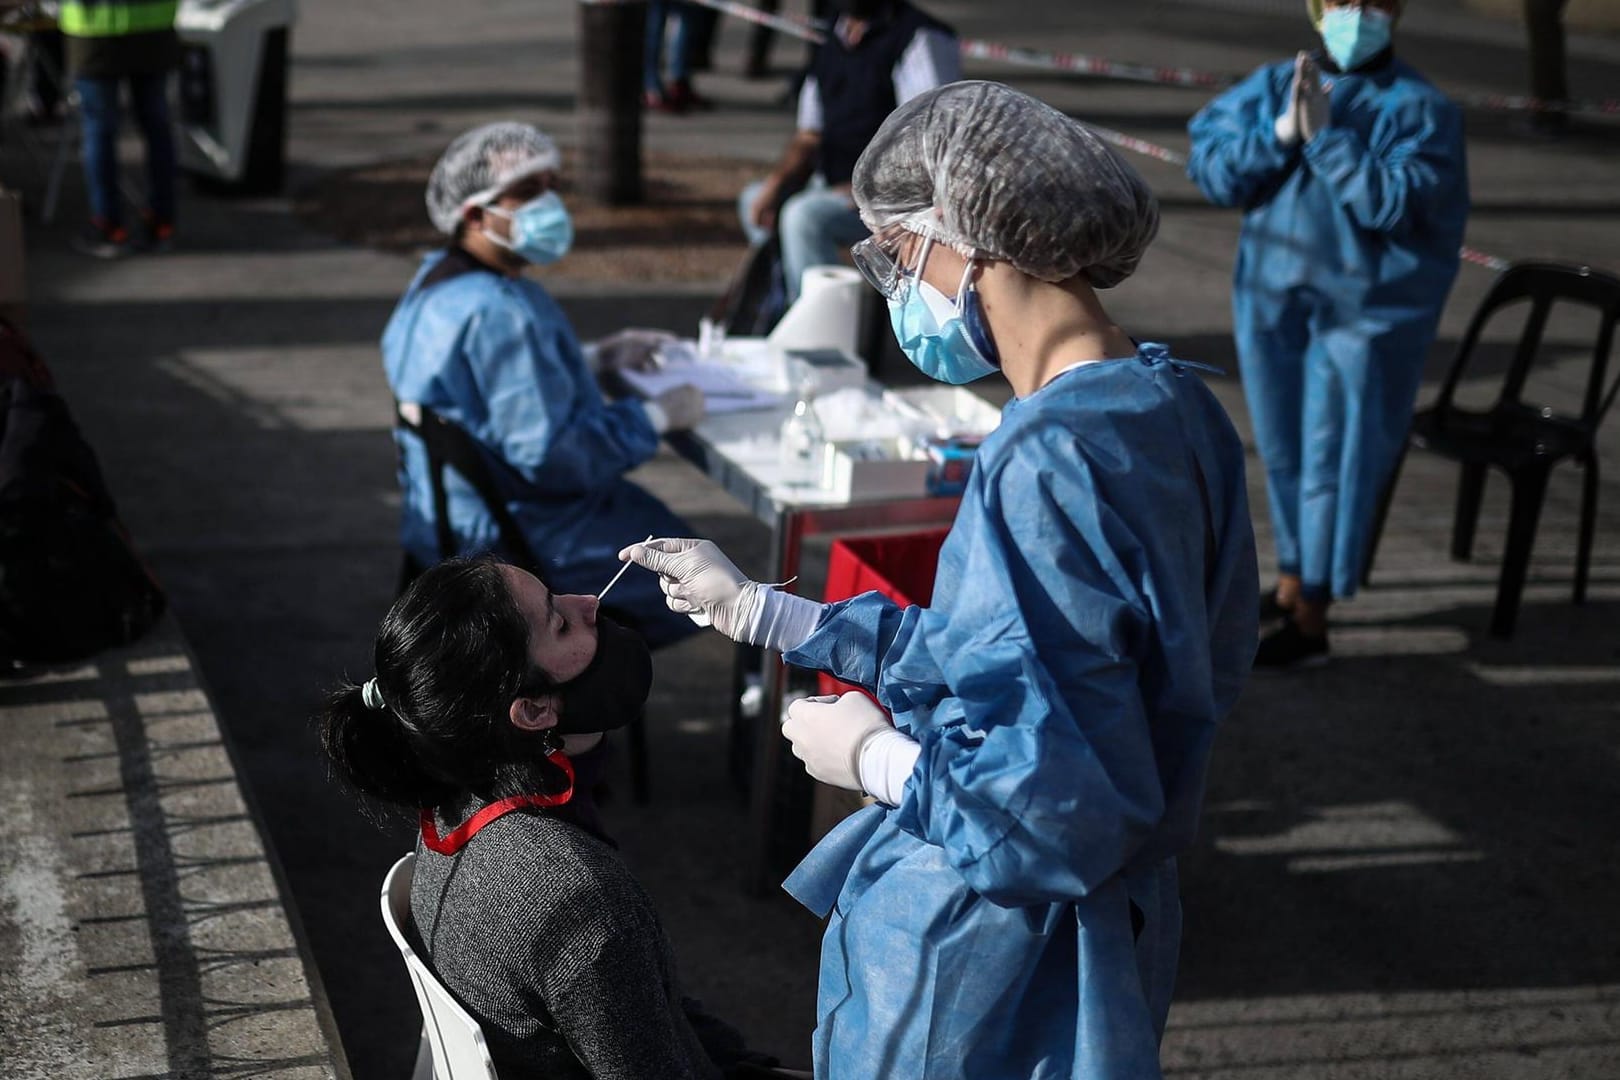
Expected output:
(627, 565)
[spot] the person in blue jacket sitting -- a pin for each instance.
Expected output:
(1351, 172)
(487, 348)
(1009, 908)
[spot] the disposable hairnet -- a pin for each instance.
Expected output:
(1012, 177)
(483, 161)
(1315, 8)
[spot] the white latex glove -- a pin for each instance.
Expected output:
(679, 408)
(1315, 101)
(698, 579)
(1286, 126)
(631, 350)
(1287, 123)
(828, 732)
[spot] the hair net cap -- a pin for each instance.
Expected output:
(483, 161)
(1315, 8)
(1011, 177)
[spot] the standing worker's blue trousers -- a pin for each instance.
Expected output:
(1330, 395)
(98, 102)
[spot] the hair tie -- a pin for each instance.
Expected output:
(371, 695)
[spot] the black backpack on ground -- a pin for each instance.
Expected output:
(70, 581)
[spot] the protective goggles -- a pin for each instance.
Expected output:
(875, 257)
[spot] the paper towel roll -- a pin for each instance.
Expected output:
(827, 314)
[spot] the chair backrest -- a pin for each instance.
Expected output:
(457, 1042)
(450, 447)
(1543, 285)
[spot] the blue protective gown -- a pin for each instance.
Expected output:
(497, 356)
(1350, 245)
(1094, 620)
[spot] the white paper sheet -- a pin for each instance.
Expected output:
(723, 390)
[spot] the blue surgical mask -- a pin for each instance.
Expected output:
(541, 231)
(1352, 36)
(946, 341)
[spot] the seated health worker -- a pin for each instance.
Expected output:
(1351, 171)
(490, 696)
(1009, 907)
(488, 349)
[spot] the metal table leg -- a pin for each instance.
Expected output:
(771, 755)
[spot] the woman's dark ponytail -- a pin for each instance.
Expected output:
(374, 753)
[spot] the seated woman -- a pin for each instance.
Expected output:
(488, 688)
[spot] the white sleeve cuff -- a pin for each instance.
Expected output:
(658, 417)
(784, 620)
(1286, 128)
(886, 763)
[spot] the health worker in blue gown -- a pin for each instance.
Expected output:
(1009, 906)
(1351, 171)
(485, 347)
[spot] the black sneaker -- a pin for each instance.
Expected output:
(1287, 648)
(101, 240)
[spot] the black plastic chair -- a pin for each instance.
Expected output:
(450, 447)
(1523, 440)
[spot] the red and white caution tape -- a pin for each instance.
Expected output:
(1171, 157)
(1513, 103)
(1137, 146)
(804, 29)
(1081, 64)
(1489, 262)
(1099, 67)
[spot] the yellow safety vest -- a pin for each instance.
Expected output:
(115, 18)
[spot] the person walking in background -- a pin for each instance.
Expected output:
(1351, 170)
(110, 44)
(680, 22)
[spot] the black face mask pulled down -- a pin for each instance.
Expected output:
(612, 690)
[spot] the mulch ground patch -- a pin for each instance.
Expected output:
(685, 232)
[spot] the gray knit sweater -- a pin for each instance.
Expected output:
(548, 940)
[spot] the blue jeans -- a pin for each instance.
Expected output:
(680, 51)
(815, 227)
(98, 102)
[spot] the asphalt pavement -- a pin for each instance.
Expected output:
(1408, 862)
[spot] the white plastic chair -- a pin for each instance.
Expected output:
(453, 1046)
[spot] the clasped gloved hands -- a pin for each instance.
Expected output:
(1310, 104)
(829, 732)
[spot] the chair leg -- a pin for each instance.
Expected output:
(1583, 548)
(1470, 490)
(640, 782)
(1528, 491)
(1382, 515)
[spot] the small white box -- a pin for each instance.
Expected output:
(827, 369)
(875, 468)
(946, 411)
